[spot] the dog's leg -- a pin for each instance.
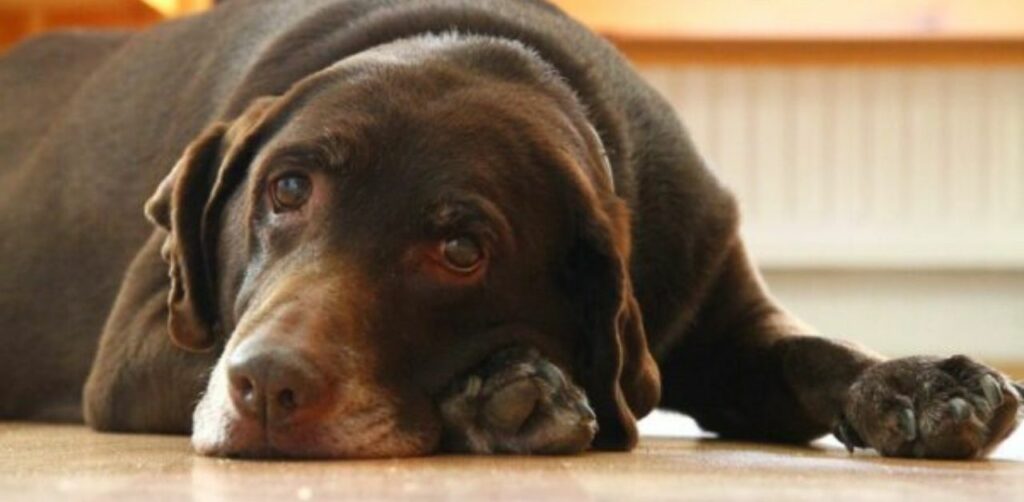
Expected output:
(516, 402)
(139, 381)
(750, 370)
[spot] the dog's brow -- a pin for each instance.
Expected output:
(459, 212)
(324, 152)
(473, 211)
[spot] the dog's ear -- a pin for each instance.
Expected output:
(617, 370)
(187, 206)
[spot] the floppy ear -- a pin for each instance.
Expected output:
(618, 372)
(186, 205)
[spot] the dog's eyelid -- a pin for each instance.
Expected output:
(470, 225)
(321, 154)
(468, 211)
(291, 168)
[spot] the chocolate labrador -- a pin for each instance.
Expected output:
(399, 227)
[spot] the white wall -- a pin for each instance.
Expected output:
(885, 204)
(903, 313)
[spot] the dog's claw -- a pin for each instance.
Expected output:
(959, 408)
(908, 424)
(993, 391)
(509, 406)
(473, 386)
(846, 435)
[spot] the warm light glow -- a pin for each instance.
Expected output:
(803, 18)
(172, 8)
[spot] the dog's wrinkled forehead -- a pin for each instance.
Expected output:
(409, 105)
(446, 81)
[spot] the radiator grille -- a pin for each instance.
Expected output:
(844, 166)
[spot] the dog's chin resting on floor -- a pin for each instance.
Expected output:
(397, 228)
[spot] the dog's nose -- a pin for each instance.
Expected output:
(273, 384)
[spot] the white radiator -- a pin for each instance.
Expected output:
(865, 167)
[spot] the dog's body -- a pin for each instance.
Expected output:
(91, 123)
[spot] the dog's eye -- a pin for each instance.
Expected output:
(462, 254)
(290, 191)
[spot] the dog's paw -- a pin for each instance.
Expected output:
(930, 408)
(516, 402)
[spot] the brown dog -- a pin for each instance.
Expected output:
(398, 227)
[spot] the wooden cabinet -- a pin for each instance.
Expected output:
(803, 19)
(22, 18)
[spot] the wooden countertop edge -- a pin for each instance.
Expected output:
(669, 49)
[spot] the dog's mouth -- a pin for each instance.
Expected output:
(347, 438)
(352, 421)
(320, 440)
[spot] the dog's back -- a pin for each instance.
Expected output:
(40, 80)
(89, 123)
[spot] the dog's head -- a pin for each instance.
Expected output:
(357, 242)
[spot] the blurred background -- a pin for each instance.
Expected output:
(877, 147)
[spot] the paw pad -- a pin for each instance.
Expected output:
(516, 402)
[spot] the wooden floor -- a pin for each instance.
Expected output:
(58, 463)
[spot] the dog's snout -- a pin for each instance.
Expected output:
(273, 384)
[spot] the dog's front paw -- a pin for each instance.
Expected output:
(930, 408)
(516, 402)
